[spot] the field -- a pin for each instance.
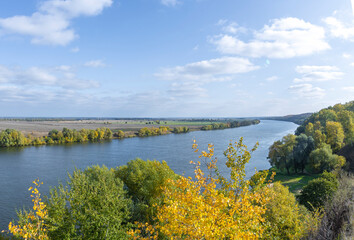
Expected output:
(295, 182)
(42, 127)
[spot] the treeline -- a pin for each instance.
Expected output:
(314, 146)
(147, 200)
(233, 124)
(14, 138)
(153, 131)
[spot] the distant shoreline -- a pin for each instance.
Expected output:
(33, 133)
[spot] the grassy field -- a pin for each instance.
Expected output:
(295, 182)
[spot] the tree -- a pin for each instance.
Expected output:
(144, 181)
(322, 159)
(94, 206)
(319, 138)
(197, 209)
(302, 149)
(120, 134)
(281, 153)
(31, 224)
(335, 135)
(346, 118)
(284, 218)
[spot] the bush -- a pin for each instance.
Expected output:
(318, 191)
(285, 219)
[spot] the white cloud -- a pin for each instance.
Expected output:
(95, 64)
(230, 27)
(170, 3)
(348, 89)
(61, 76)
(318, 73)
(338, 29)
(346, 55)
(306, 90)
(219, 69)
(284, 38)
(51, 23)
(187, 90)
(272, 78)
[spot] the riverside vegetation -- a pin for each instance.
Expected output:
(314, 151)
(147, 200)
(14, 138)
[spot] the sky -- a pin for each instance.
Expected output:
(174, 58)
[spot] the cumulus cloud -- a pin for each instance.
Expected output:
(338, 29)
(51, 24)
(306, 90)
(318, 73)
(170, 3)
(218, 69)
(284, 38)
(95, 63)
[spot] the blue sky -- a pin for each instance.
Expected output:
(174, 58)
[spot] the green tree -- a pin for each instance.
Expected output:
(281, 153)
(302, 149)
(144, 181)
(93, 206)
(322, 159)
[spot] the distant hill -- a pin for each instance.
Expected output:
(297, 118)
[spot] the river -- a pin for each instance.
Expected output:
(51, 164)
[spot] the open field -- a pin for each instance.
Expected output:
(42, 127)
(295, 182)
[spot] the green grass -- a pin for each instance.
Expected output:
(295, 182)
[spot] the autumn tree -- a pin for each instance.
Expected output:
(335, 135)
(198, 209)
(31, 224)
(284, 217)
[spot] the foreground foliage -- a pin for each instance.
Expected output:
(146, 200)
(198, 209)
(93, 206)
(31, 223)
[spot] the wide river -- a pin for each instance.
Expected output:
(51, 164)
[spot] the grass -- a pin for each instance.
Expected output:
(295, 182)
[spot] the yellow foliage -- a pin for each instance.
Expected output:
(32, 226)
(198, 209)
